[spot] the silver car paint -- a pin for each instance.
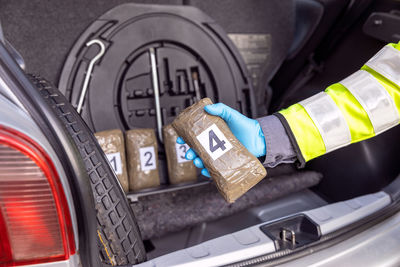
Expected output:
(376, 246)
(73, 261)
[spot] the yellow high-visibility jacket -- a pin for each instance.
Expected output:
(361, 106)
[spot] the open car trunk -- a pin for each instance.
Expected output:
(259, 63)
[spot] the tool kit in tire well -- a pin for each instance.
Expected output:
(138, 66)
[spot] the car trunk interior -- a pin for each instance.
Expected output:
(305, 46)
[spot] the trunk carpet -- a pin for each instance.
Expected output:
(168, 212)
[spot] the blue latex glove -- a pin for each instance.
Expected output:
(246, 130)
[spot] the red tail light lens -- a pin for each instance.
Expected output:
(35, 223)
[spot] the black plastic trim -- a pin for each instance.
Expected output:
(306, 231)
(301, 161)
(393, 189)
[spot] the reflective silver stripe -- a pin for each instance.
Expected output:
(374, 98)
(387, 63)
(329, 120)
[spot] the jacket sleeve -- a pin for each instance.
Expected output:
(359, 107)
(278, 146)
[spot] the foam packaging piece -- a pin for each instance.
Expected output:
(180, 170)
(113, 144)
(234, 169)
(142, 153)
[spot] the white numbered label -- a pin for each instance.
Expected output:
(180, 152)
(214, 142)
(147, 158)
(115, 161)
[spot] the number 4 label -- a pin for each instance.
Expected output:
(115, 161)
(147, 158)
(214, 142)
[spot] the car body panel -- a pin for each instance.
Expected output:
(376, 246)
(73, 261)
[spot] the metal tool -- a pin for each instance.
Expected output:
(154, 76)
(89, 72)
(291, 237)
(195, 77)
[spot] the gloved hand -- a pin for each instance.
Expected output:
(246, 130)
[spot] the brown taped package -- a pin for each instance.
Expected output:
(234, 169)
(113, 145)
(142, 153)
(180, 170)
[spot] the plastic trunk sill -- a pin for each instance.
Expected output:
(333, 238)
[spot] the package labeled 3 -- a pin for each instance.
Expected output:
(113, 145)
(234, 169)
(180, 170)
(142, 153)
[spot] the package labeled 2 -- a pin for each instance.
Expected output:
(142, 153)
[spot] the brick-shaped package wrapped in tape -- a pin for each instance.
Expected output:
(180, 170)
(142, 154)
(113, 144)
(234, 169)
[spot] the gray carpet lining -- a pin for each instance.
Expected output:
(273, 17)
(163, 213)
(44, 31)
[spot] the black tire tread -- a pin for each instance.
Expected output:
(119, 239)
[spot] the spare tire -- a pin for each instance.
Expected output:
(119, 238)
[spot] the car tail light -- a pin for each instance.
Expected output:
(35, 223)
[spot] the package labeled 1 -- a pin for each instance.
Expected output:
(234, 169)
(113, 144)
(142, 153)
(180, 170)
